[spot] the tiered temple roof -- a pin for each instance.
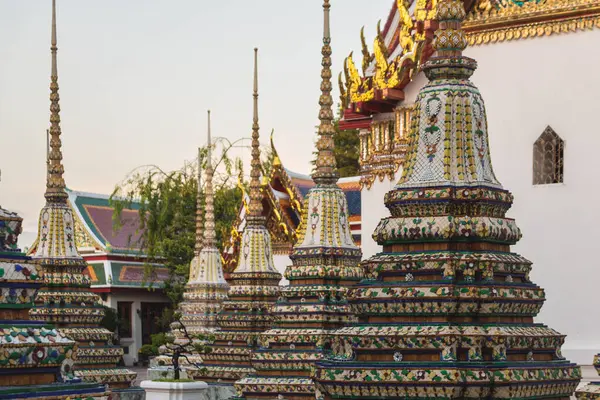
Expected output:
(36, 360)
(447, 309)
(325, 261)
(65, 298)
(254, 283)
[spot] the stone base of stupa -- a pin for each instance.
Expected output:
(58, 391)
(116, 378)
(592, 389)
(167, 361)
(276, 388)
(589, 391)
(131, 393)
(222, 374)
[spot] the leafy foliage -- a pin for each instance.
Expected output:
(110, 320)
(167, 208)
(346, 150)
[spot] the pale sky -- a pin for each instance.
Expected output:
(137, 76)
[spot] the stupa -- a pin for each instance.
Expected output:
(592, 389)
(254, 283)
(206, 288)
(35, 359)
(447, 309)
(65, 299)
(325, 262)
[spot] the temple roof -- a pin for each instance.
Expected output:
(95, 216)
(404, 44)
(114, 257)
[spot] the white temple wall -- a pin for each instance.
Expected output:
(372, 211)
(282, 261)
(528, 85)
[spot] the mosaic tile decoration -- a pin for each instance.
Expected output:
(65, 299)
(325, 261)
(446, 311)
(34, 356)
(254, 284)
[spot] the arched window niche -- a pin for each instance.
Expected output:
(548, 158)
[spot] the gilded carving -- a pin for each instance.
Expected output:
(492, 21)
(383, 147)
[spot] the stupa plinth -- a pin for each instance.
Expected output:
(325, 262)
(65, 299)
(447, 309)
(592, 389)
(254, 285)
(35, 359)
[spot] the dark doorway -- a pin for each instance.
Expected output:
(149, 314)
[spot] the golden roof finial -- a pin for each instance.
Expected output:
(326, 171)
(276, 159)
(209, 215)
(256, 208)
(55, 183)
(199, 210)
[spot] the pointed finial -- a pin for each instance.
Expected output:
(276, 159)
(256, 209)
(55, 183)
(209, 216)
(199, 210)
(326, 172)
(53, 41)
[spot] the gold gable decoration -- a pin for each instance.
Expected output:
(388, 74)
(82, 237)
(383, 146)
(492, 21)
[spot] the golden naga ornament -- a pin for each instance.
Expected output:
(388, 74)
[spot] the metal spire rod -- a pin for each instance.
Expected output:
(256, 208)
(209, 215)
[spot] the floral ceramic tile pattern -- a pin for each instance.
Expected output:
(446, 311)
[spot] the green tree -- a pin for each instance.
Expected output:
(168, 212)
(346, 150)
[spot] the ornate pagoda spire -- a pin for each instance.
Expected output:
(256, 208)
(447, 310)
(65, 299)
(206, 288)
(199, 210)
(254, 285)
(325, 262)
(55, 183)
(326, 225)
(326, 171)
